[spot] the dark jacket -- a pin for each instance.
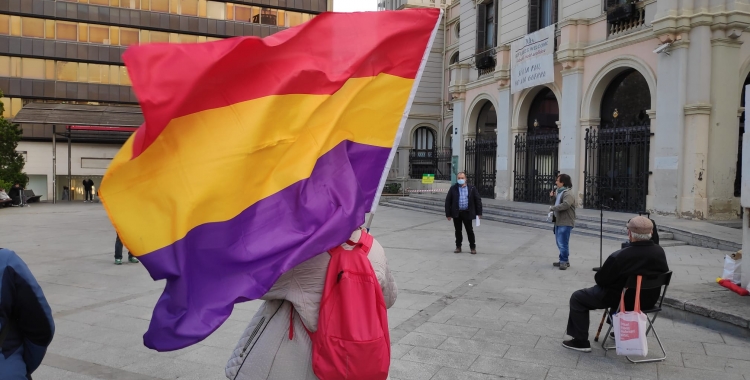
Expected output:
(24, 311)
(88, 184)
(641, 257)
(451, 202)
(654, 236)
(14, 191)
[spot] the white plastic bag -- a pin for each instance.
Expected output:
(732, 269)
(630, 327)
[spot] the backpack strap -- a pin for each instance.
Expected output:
(365, 243)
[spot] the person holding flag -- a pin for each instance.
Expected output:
(338, 89)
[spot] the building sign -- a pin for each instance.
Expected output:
(428, 178)
(532, 59)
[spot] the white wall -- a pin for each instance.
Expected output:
(39, 158)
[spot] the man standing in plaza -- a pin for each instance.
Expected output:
(463, 204)
(88, 185)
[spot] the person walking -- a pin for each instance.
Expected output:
(26, 324)
(118, 253)
(88, 186)
(564, 212)
(463, 204)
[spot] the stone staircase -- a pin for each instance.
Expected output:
(585, 224)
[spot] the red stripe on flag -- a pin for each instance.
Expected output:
(174, 80)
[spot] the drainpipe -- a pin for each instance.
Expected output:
(441, 122)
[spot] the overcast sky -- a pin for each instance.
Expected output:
(354, 5)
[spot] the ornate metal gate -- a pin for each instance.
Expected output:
(480, 165)
(535, 167)
(616, 168)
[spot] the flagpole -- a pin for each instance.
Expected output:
(369, 221)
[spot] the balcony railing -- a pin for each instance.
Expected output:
(485, 62)
(625, 18)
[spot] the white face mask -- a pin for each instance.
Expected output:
(461, 181)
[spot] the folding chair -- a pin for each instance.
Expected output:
(653, 281)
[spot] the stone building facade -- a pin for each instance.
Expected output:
(646, 110)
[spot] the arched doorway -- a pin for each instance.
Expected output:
(423, 155)
(536, 151)
(616, 169)
(481, 152)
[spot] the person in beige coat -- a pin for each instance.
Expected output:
(265, 350)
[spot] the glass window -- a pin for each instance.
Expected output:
(295, 18)
(49, 29)
(4, 66)
(160, 5)
(145, 5)
(4, 24)
(243, 13)
(489, 31)
(159, 37)
(83, 72)
(32, 68)
(306, 17)
(105, 74)
(114, 35)
(99, 34)
(545, 13)
(16, 105)
(99, 2)
(189, 7)
(201, 8)
(15, 26)
(132, 4)
(15, 67)
(215, 10)
(174, 6)
(67, 71)
(95, 73)
(114, 74)
(129, 37)
(124, 78)
(6, 106)
(281, 18)
(201, 38)
(49, 69)
(174, 38)
(188, 39)
(144, 36)
(66, 31)
(83, 32)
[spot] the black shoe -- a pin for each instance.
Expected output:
(564, 266)
(556, 264)
(458, 250)
(578, 345)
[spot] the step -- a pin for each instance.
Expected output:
(617, 229)
(541, 224)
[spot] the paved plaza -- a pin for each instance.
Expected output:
(496, 315)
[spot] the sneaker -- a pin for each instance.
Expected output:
(578, 345)
(118, 262)
(564, 266)
(458, 250)
(133, 260)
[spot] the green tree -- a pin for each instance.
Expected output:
(11, 162)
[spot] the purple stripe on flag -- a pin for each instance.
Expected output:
(219, 264)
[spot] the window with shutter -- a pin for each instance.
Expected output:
(534, 15)
(481, 26)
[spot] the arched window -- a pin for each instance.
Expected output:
(629, 94)
(424, 138)
(487, 122)
(454, 58)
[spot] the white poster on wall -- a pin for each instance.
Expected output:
(532, 62)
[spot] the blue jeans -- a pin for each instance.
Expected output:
(562, 236)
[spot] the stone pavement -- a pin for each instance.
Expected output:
(499, 314)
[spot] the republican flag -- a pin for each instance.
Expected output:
(258, 154)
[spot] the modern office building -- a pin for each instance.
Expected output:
(646, 105)
(69, 53)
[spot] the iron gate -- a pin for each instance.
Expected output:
(480, 165)
(535, 167)
(422, 161)
(616, 168)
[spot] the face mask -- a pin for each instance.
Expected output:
(461, 181)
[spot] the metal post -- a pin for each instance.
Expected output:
(54, 165)
(69, 175)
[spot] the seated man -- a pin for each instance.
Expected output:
(16, 192)
(641, 257)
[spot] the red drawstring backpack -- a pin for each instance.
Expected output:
(352, 341)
